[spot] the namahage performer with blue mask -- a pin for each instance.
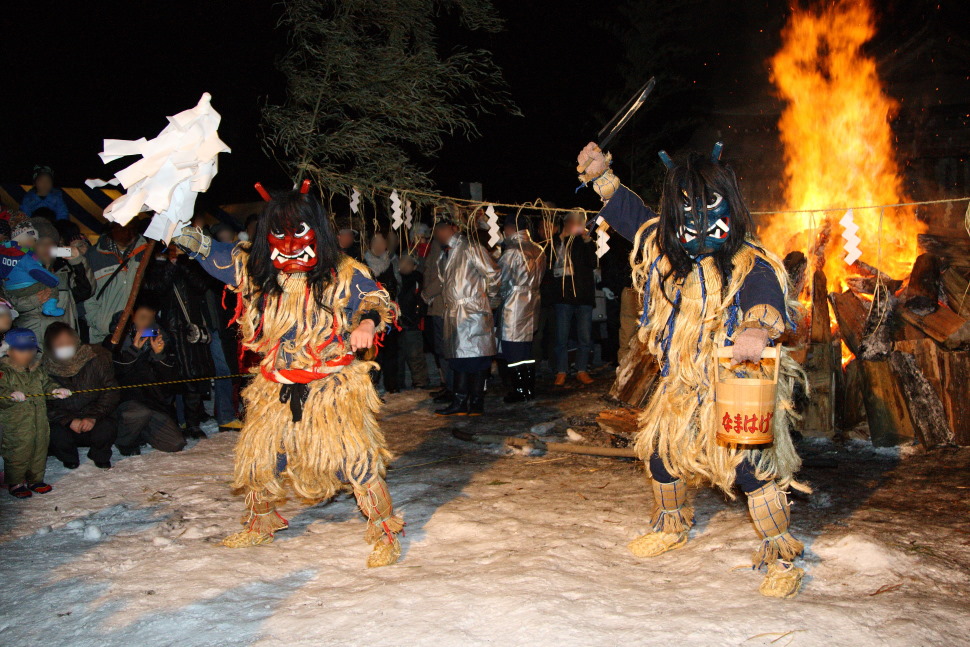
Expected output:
(311, 408)
(706, 283)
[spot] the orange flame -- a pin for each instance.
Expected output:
(838, 145)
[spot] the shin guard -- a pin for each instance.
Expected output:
(375, 503)
(671, 513)
(769, 510)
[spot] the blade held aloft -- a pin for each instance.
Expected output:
(623, 116)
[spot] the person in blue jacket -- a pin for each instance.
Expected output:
(45, 195)
(21, 270)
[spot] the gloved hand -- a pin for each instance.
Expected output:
(594, 166)
(61, 394)
(748, 345)
(18, 396)
(608, 294)
(192, 241)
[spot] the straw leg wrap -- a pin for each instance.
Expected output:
(260, 523)
(671, 513)
(769, 510)
(383, 525)
(671, 520)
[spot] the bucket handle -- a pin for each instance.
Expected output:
(770, 352)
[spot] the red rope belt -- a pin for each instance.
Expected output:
(303, 376)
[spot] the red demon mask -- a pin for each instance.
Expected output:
(294, 251)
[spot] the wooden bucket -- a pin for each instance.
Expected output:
(746, 405)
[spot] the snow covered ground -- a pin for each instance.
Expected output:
(500, 550)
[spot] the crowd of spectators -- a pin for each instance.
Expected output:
(532, 300)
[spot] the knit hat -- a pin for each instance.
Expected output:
(42, 169)
(24, 228)
(21, 339)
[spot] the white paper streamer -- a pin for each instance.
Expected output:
(354, 201)
(494, 233)
(174, 168)
(396, 210)
(602, 240)
(851, 237)
(408, 213)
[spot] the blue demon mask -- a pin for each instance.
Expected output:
(706, 226)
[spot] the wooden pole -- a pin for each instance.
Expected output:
(133, 295)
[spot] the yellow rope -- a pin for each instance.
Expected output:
(136, 386)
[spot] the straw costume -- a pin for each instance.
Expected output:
(311, 407)
(706, 283)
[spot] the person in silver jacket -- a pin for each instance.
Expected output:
(469, 292)
(522, 265)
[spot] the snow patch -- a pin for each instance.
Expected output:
(860, 555)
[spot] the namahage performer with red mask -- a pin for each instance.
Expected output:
(311, 407)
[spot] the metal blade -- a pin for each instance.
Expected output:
(621, 118)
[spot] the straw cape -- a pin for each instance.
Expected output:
(684, 322)
(338, 438)
(337, 443)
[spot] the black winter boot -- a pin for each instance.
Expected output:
(459, 400)
(476, 399)
(517, 388)
(530, 381)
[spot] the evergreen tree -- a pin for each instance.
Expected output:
(669, 40)
(371, 96)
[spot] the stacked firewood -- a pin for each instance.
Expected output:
(910, 346)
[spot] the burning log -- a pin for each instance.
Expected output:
(955, 250)
(821, 361)
(796, 264)
(877, 341)
(957, 291)
(921, 293)
(636, 376)
(874, 275)
(887, 411)
(821, 319)
(850, 314)
(947, 374)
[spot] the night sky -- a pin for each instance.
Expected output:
(79, 72)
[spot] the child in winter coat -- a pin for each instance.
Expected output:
(24, 419)
(22, 273)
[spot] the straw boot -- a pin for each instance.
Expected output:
(671, 521)
(260, 524)
(769, 510)
(382, 525)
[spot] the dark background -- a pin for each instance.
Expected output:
(78, 72)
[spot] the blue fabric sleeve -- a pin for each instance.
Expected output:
(360, 287)
(761, 287)
(41, 275)
(626, 213)
(219, 263)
